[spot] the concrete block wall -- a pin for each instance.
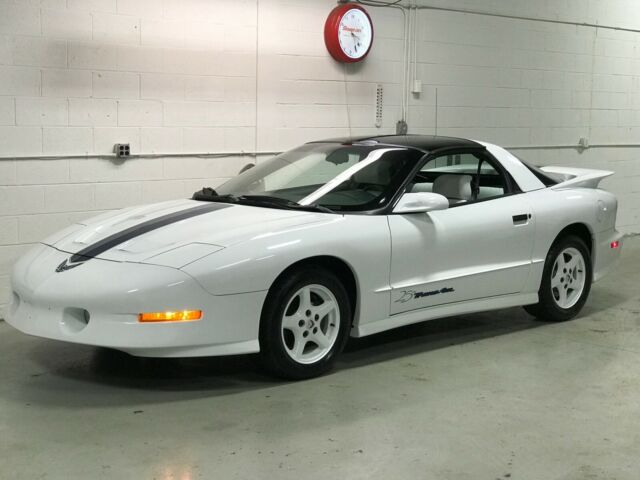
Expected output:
(78, 76)
(201, 76)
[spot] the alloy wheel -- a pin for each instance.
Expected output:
(310, 324)
(568, 277)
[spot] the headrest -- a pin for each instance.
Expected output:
(454, 187)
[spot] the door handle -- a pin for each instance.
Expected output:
(521, 218)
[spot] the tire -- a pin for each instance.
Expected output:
(564, 288)
(308, 305)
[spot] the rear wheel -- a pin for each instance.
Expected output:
(566, 281)
(305, 323)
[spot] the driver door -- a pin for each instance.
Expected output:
(479, 247)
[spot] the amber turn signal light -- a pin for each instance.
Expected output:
(178, 316)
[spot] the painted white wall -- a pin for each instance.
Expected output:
(198, 76)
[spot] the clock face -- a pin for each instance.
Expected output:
(355, 33)
(348, 33)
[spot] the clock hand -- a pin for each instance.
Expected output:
(356, 41)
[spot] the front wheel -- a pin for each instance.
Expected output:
(305, 323)
(566, 281)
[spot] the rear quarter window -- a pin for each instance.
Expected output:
(548, 179)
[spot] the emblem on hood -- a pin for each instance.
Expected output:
(67, 266)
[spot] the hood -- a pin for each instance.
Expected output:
(194, 228)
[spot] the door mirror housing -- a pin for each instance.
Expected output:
(421, 202)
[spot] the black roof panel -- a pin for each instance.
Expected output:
(422, 142)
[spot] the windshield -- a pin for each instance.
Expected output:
(332, 175)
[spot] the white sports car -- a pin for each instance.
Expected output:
(334, 238)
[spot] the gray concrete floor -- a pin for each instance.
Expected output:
(487, 396)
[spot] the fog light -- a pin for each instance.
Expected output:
(74, 320)
(177, 316)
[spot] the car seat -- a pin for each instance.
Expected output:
(457, 188)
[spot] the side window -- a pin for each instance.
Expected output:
(462, 178)
(461, 163)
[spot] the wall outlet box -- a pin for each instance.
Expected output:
(416, 87)
(122, 149)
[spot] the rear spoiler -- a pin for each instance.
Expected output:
(570, 177)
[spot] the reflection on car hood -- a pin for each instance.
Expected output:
(139, 233)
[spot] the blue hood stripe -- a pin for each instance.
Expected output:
(132, 232)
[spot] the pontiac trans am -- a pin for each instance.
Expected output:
(337, 238)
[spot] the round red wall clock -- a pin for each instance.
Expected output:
(348, 33)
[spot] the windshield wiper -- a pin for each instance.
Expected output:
(283, 202)
(208, 194)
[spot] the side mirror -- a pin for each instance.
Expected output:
(421, 202)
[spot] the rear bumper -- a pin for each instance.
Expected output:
(98, 303)
(606, 257)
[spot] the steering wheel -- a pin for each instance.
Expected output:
(369, 187)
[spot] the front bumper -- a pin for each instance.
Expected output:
(97, 303)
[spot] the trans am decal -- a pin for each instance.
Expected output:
(413, 295)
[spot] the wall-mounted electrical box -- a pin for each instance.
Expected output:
(401, 127)
(122, 149)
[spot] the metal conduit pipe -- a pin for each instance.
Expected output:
(375, 3)
(258, 154)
